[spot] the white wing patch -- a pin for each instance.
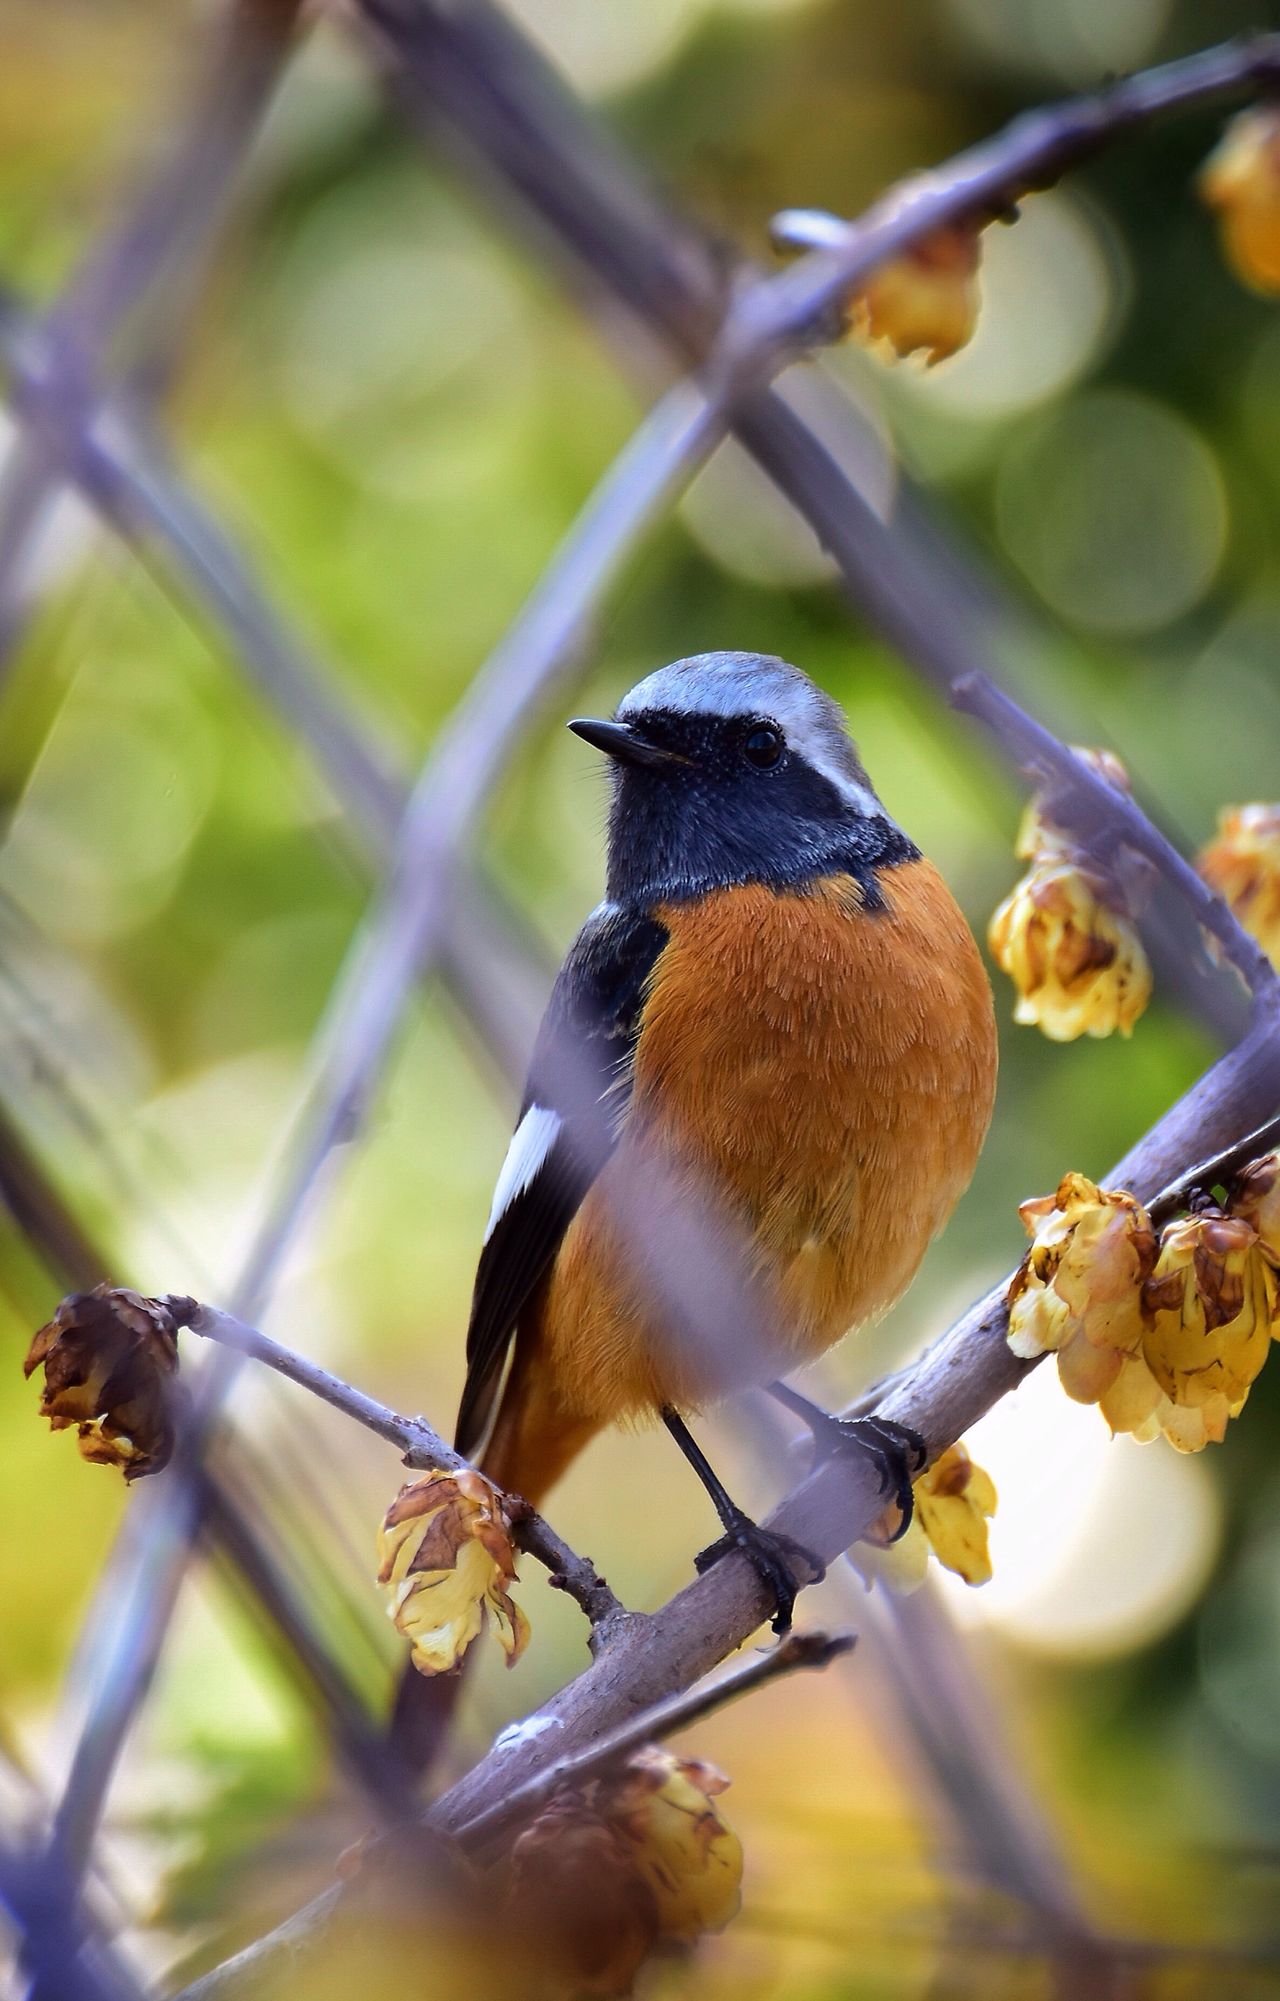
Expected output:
(531, 1142)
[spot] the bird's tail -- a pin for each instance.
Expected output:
(531, 1445)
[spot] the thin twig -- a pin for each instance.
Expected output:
(165, 231)
(419, 1445)
(955, 1384)
(663, 1719)
(1215, 1172)
(476, 76)
(348, 1051)
(984, 181)
(1083, 800)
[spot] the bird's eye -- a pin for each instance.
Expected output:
(762, 745)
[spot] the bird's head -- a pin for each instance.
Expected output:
(732, 768)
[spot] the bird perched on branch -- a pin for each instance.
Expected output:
(780, 1000)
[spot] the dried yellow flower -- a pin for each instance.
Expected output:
(1078, 1291)
(109, 1357)
(692, 1862)
(1165, 1339)
(1074, 957)
(927, 298)
(1210, 1303)
(1243, 865)
(635, 1857)
(1255, 1195)
(446, 1557)
(954, 1500)
(1240, 181)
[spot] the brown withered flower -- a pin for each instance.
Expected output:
(1078, 1291)
(109, 1358)
(635, 1858)
(1243, 864)
(925, 299)
(1240, 181)
(446, 1556)
(1072, 953)
(1255, 1195)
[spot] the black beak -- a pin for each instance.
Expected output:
(623, 742)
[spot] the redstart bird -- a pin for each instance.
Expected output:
(782, 992)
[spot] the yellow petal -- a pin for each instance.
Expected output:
(446, 1558)
(1076, 961)
(691, 1861)
(954, 1500)
(927, 299)
(1211, 1304)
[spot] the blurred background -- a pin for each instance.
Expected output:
(396, 408)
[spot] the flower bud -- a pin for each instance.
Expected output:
(926, 298)
(446, 1557)
(1243, 865)
(109, 1359)
(1240, 181)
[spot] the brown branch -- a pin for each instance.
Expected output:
(986, 180)
(662, 1719)
(419, 1445)
(954, 1385)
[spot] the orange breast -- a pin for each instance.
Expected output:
(828, 1073)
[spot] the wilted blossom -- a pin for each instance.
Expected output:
(954, 1500)
(1064, 934)
(1072, 953)
(1243, 864)
(1209, 1307)
(446, 1557)
(1165, 1338)
(1078, 1291)
(1240, 181)
(636, 1857)
(1255, 1195)
(925, 298)
(109, 1359)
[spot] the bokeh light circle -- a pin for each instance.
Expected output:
(1099, 1544)
(1114, 508)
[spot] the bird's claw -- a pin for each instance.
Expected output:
(771, 1555)
(898, 1454)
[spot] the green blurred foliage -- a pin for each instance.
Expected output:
(398, 412)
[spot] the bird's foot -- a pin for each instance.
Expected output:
(898, 1454)
(772, 1556)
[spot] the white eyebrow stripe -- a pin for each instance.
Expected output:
(814, 746)
(531, 1142)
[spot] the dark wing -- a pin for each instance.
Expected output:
(579, 1085)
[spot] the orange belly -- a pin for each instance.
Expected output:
(828, 1072)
